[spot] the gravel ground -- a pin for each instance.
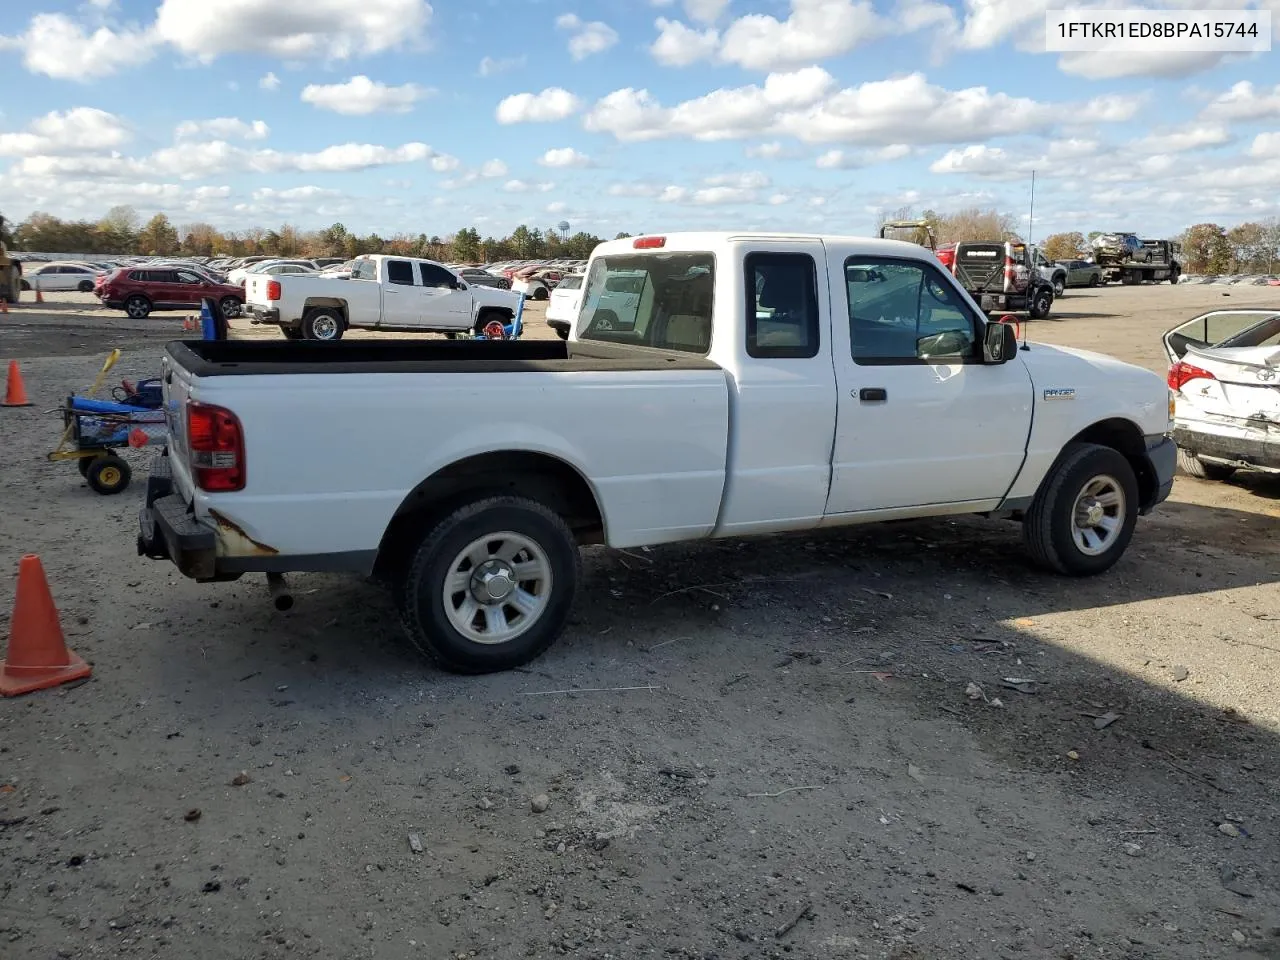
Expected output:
(794, 769)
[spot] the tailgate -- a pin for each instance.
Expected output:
(980, 266)
(176, 381)
(255, 289)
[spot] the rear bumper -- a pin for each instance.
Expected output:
(260, 314)
(1245, 447)
(169, 530)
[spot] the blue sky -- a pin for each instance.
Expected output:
(409, 116)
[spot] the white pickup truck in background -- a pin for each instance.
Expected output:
(753, 384)
(400, 294)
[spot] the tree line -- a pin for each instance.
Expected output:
(121, 231)
(1208, 248)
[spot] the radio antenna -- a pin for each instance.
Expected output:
(1035, 267)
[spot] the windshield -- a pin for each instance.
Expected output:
(570, 283)
(661, 300)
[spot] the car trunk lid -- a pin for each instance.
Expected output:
(1246, 382)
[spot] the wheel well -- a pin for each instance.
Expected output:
(505, 312)
(537, 476)
(1124, 436)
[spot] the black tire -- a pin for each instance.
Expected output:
(542, 293)
(291, 333)
(1193, 466)
(24, 284)
(85, 286)
(488, 316)
(323, 324)
(1048, 529)
(108, 474)
(1059, 285)
(84, 463)
(1041, 303)
(1173, 277)
(137, 307)
(420, 590)
(562, 332)
(230, 307)
(1095, 280)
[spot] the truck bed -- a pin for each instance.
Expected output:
(227, 358)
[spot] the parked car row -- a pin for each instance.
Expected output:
(1241, 279)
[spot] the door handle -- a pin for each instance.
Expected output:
(873, 394)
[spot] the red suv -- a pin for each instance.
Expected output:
(139, 290)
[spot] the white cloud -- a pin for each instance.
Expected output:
(679, 46)
(588, 38)
(766, 151)
(1108, 65)
(815, 29)
(902, 110)
(59, 47)
(1178, 141)
(553, 103)
(855, 160)
(490, 67)
(1265, 145)
(291, 29)
(1242, 102)
(269, 82)
(751, 180)
(222, 128)
(524, 186)
(295, 193)
(778, 199)
(443, 163)
(558, 206)
(564, 157)
(493, 168)
(705, 11)
(360, 96)
(79, 130)
(633, 115)
(631, 189)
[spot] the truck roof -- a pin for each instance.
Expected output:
(708, 240)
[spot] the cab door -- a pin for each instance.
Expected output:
(920, 419)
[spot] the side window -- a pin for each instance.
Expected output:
(435, 276)
(364, 270)
(903, 311)
(782, 305)
(185, 277)
(400, 271)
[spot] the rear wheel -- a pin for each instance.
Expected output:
(1084, 514)
(490, 586)
(1059, 285)
(230, 307)
(1193, 466)
(541, 293)
(108, 474)
(322, 324)
(85, 286)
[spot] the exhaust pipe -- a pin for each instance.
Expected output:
(281, 595)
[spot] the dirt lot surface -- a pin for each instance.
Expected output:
(785, 762)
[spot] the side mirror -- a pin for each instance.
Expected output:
(459, 285)
(999, 343)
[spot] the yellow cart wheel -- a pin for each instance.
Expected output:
(108, 474)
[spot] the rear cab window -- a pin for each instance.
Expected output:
(660, 300)
(364, 270)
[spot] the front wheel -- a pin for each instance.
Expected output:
(137, 307)
(1084, 514)
(1095, 280)
(85, 286)
(230, 307)
(490, 587)
(1059, 286)
(1041, 303)
(541, 293)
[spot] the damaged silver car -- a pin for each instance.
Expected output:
(1225, 376)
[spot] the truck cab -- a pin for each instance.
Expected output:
(1001, 276)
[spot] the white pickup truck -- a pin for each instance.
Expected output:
(400, 294)
(758, 383)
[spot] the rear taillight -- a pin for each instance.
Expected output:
(216, 444)
(1182, 373)
(273, 289)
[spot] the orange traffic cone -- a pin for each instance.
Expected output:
(15, 393)
(38, 655)
(39, 295)
(4, 305)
